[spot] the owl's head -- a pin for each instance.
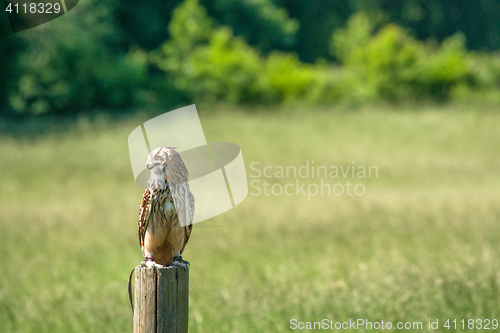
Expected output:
(158, 160)
(165, 161)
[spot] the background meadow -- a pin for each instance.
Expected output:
(411, 87)
(420, 244)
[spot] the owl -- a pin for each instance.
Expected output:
(167, 209)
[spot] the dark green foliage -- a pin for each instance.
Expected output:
(261, 23)
(125, 55)
(425, 19)
(72, 64)
(210, 63)
(317, 19)
(477, 20)
(144, 23)
(392, 65)
(10, 47)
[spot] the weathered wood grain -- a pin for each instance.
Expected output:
(161, 300)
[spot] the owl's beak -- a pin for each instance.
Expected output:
(151, 165)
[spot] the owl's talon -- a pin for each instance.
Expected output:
(179, 262)
(148, 262)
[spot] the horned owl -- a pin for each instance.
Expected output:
(167, 209)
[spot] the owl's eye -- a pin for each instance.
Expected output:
(158, 157)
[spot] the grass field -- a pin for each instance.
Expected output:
(421, 243)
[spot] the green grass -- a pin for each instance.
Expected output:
(422, 242)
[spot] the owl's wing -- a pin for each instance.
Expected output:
(189, 227)
(184, 203)
(144, 214)
(184, 206)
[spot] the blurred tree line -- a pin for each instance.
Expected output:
(124, 54)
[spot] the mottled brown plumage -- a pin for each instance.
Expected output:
(167, 209)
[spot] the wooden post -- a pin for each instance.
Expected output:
(161, 300)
